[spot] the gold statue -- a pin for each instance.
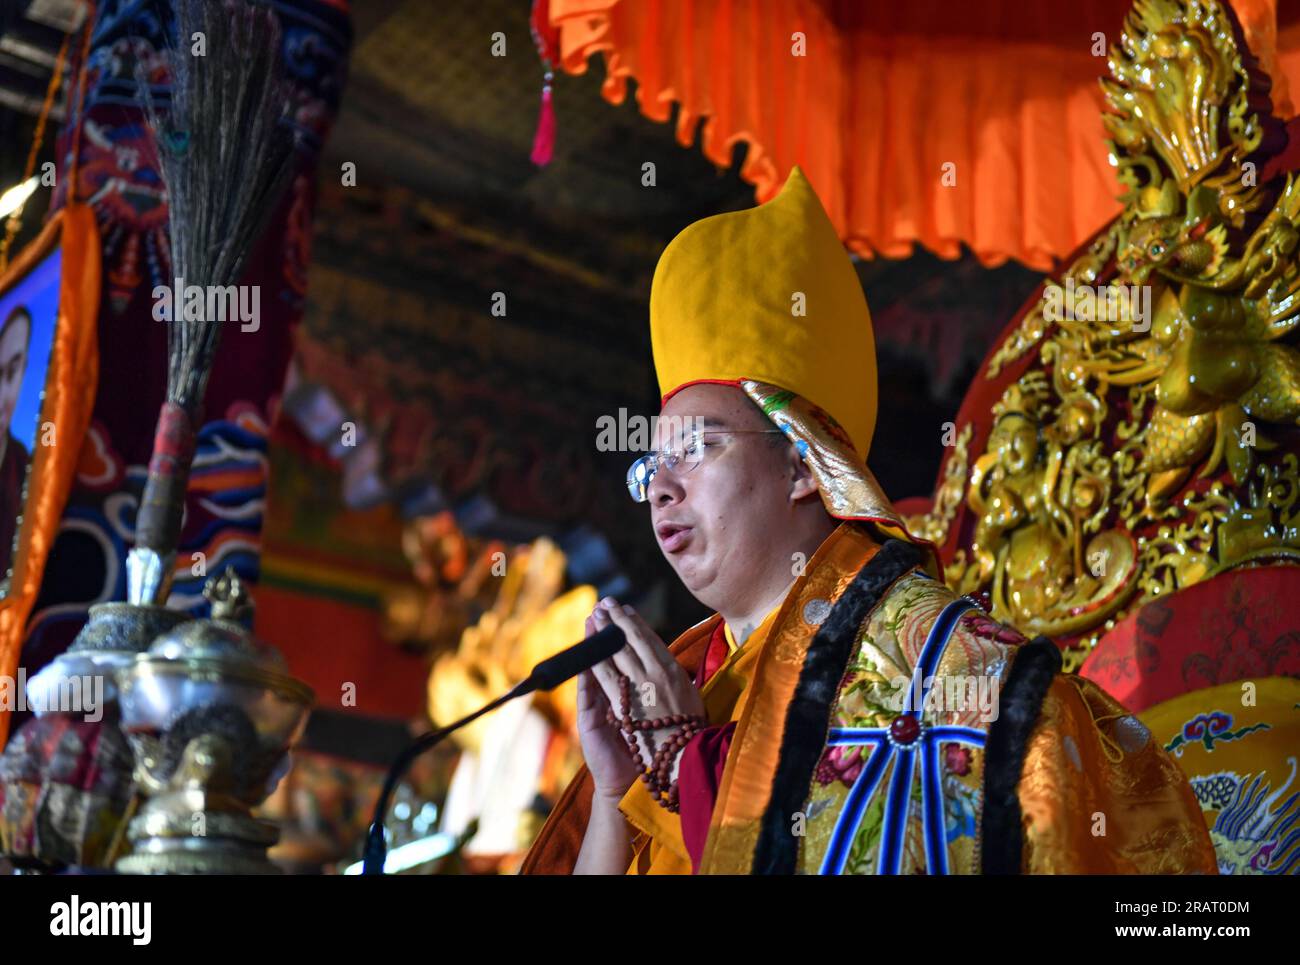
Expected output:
(1139, 452)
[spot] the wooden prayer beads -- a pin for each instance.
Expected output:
(658, 774)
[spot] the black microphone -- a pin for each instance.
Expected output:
(547, 675)
(566, 664)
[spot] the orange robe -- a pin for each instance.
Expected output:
(1060, 779)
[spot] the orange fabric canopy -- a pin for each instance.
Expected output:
(887, 98)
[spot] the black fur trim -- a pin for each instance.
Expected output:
(808, 717)
(1033, 668)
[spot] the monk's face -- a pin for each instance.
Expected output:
(13, 359)
(714, 521)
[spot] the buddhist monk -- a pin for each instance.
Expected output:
(842, 711)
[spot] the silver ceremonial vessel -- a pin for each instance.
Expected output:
(211, 714)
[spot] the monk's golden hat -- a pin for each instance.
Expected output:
(768, 294)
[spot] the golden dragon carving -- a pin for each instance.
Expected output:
(1151, 444)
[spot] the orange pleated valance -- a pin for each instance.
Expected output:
(925, 121)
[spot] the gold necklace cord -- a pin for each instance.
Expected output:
(1108, 744)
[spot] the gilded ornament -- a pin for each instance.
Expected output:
(1144, 449)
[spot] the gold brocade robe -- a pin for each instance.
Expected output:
(885, 725)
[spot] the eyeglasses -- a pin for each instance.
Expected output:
(679, 459)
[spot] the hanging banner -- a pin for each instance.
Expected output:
(49, 368)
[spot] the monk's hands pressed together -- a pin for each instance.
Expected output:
(659, 688)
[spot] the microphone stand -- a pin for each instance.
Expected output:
(376, 846)
(546, 675)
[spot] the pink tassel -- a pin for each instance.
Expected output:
(544, 140)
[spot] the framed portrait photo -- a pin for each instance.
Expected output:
(29, 315)
(49, 299)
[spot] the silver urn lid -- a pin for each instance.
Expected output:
(224, 638)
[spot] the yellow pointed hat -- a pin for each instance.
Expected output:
(768, 294)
